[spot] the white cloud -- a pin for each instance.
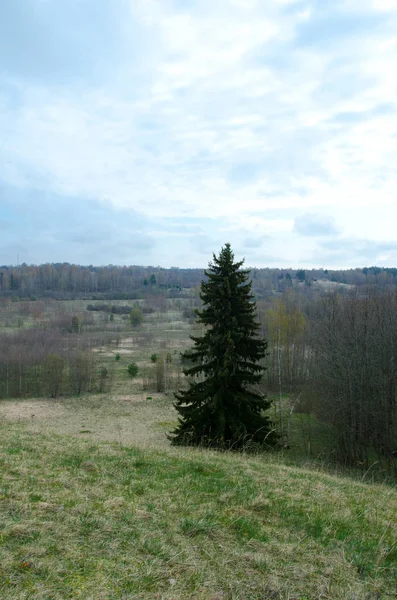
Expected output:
(224, 87)
(385, 4)
(258, 225)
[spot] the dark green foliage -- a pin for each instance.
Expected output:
(133, 369)
(223, 407)
(154, 358)
(75, 325)
(136, 317)
(110, 308)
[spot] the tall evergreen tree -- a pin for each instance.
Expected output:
(222, 407)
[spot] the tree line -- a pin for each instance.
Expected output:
(50, 356)
(336, 358)
(39, 363)
(64, 280)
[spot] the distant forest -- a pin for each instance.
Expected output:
(65, 281)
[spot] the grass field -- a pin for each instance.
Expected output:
(127, 419)
(91, 519)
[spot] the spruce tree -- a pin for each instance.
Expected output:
(222, 406)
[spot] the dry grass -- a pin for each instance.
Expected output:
(128, 419)
(93, 520)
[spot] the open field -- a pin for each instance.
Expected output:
(95, 520)
(127, 419)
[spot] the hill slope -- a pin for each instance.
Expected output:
(95, 520)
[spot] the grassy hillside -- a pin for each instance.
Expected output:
(94, 504)
(97, 520)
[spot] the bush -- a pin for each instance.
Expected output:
(117, 357)
(189, 313)
(133, 370)
(154, 358)
(136, 317)
(109, 308)
(75, 326)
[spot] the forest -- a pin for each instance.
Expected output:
(331, 364)
(67, 281)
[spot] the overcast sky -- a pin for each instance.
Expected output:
(153, 131)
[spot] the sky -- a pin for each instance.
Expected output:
(151, 132)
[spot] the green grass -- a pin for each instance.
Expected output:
(96, 520)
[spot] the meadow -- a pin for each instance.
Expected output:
(96, 504)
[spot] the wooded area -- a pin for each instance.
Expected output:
(332, 347)
(64, 280)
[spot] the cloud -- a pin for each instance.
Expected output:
(358, 251)
(61, 228)
(174, 110)
(254, 242)
(56, 42)
(315, 225)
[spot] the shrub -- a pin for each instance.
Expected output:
(75, 324)
(133, 369)
(136, 317)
